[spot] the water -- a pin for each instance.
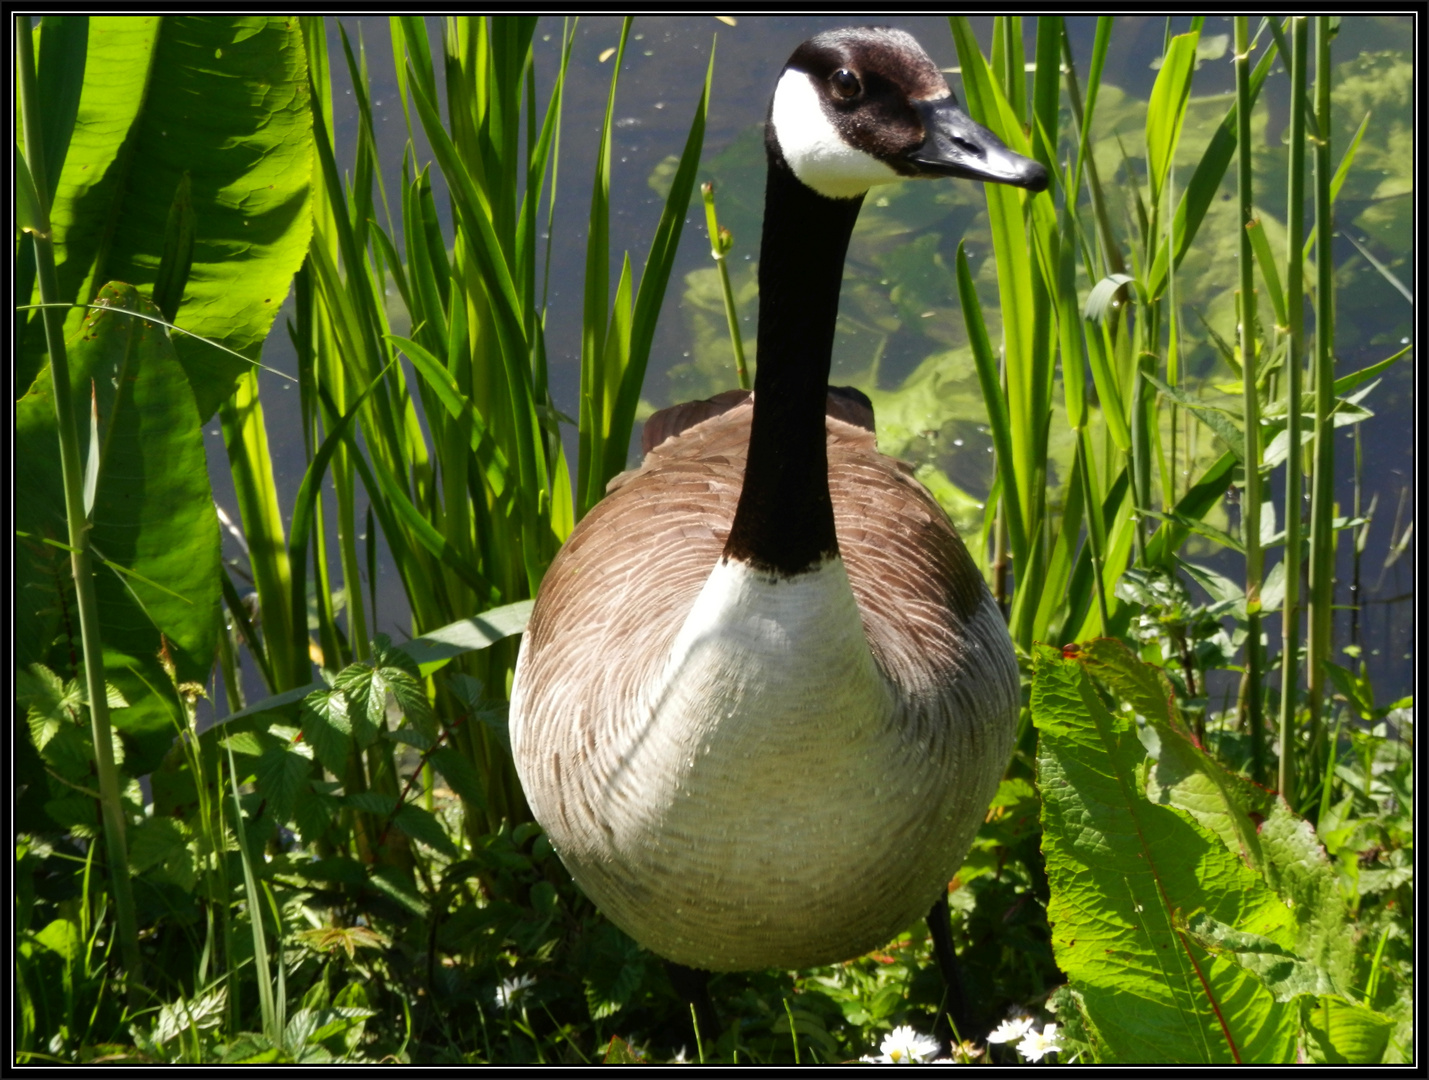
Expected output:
(663, 71)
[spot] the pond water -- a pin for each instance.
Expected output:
(662, 75)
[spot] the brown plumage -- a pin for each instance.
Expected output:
(600, 626)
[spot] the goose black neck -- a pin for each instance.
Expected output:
(785, 520)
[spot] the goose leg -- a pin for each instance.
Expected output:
(693, 987)
(955, 1002)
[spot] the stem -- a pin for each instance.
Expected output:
(1250, 497)
(78, 525)
(1294, 367)
(1096, 525)
(720, 244)
(1322, 507)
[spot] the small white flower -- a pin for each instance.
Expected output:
(511, 989)
(905, 1046)
(1037, 1043)
(1012, 1029)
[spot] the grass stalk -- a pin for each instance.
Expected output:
(1294, 366)
(32, 162)
(1322, 499)
(721, 242)
(1249, 341)
(271, 1005)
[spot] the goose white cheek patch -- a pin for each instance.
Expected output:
(813, 147)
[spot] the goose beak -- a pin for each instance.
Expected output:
(957, 145)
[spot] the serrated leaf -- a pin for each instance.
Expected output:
(460, 776)
(1123, 874)
(248, 743)
(1145, 688)
(154, 841)
(338, 869)
(1227, 804)
(420, 824)
(372, 802)
(1298, 869)
(614, 974)
(280, 774)
(411, 737)
(1284, 974)
(327, 728)
(313, 812)
(395, 885)
(184, 1015)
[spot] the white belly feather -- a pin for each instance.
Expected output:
(765, 806)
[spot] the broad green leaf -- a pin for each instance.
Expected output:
(29, 211)
(1297, 868)
(153, 515)
(64, 43)
(1184, 775)
(1345, 1034)
(1144, 688)
(62, 936)
(1125, 874)
(226, 100)
(1284, 974)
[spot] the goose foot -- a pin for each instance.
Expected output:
(692, 985)
(953, 1020)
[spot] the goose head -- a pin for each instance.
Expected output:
(865, 106)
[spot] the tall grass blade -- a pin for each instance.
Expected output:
(653, 280)
(1294, 367)
(595, 319)
(267, 1005)
(1249, 347)
(1322, 500)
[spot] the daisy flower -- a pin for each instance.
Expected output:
(1037, 1043)
(511, 989)
(904, 1046)
(1010, 1030)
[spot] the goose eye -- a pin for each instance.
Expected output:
(846, 83)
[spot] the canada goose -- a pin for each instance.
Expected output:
(760, 711)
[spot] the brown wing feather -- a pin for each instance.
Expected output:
(915, 583)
